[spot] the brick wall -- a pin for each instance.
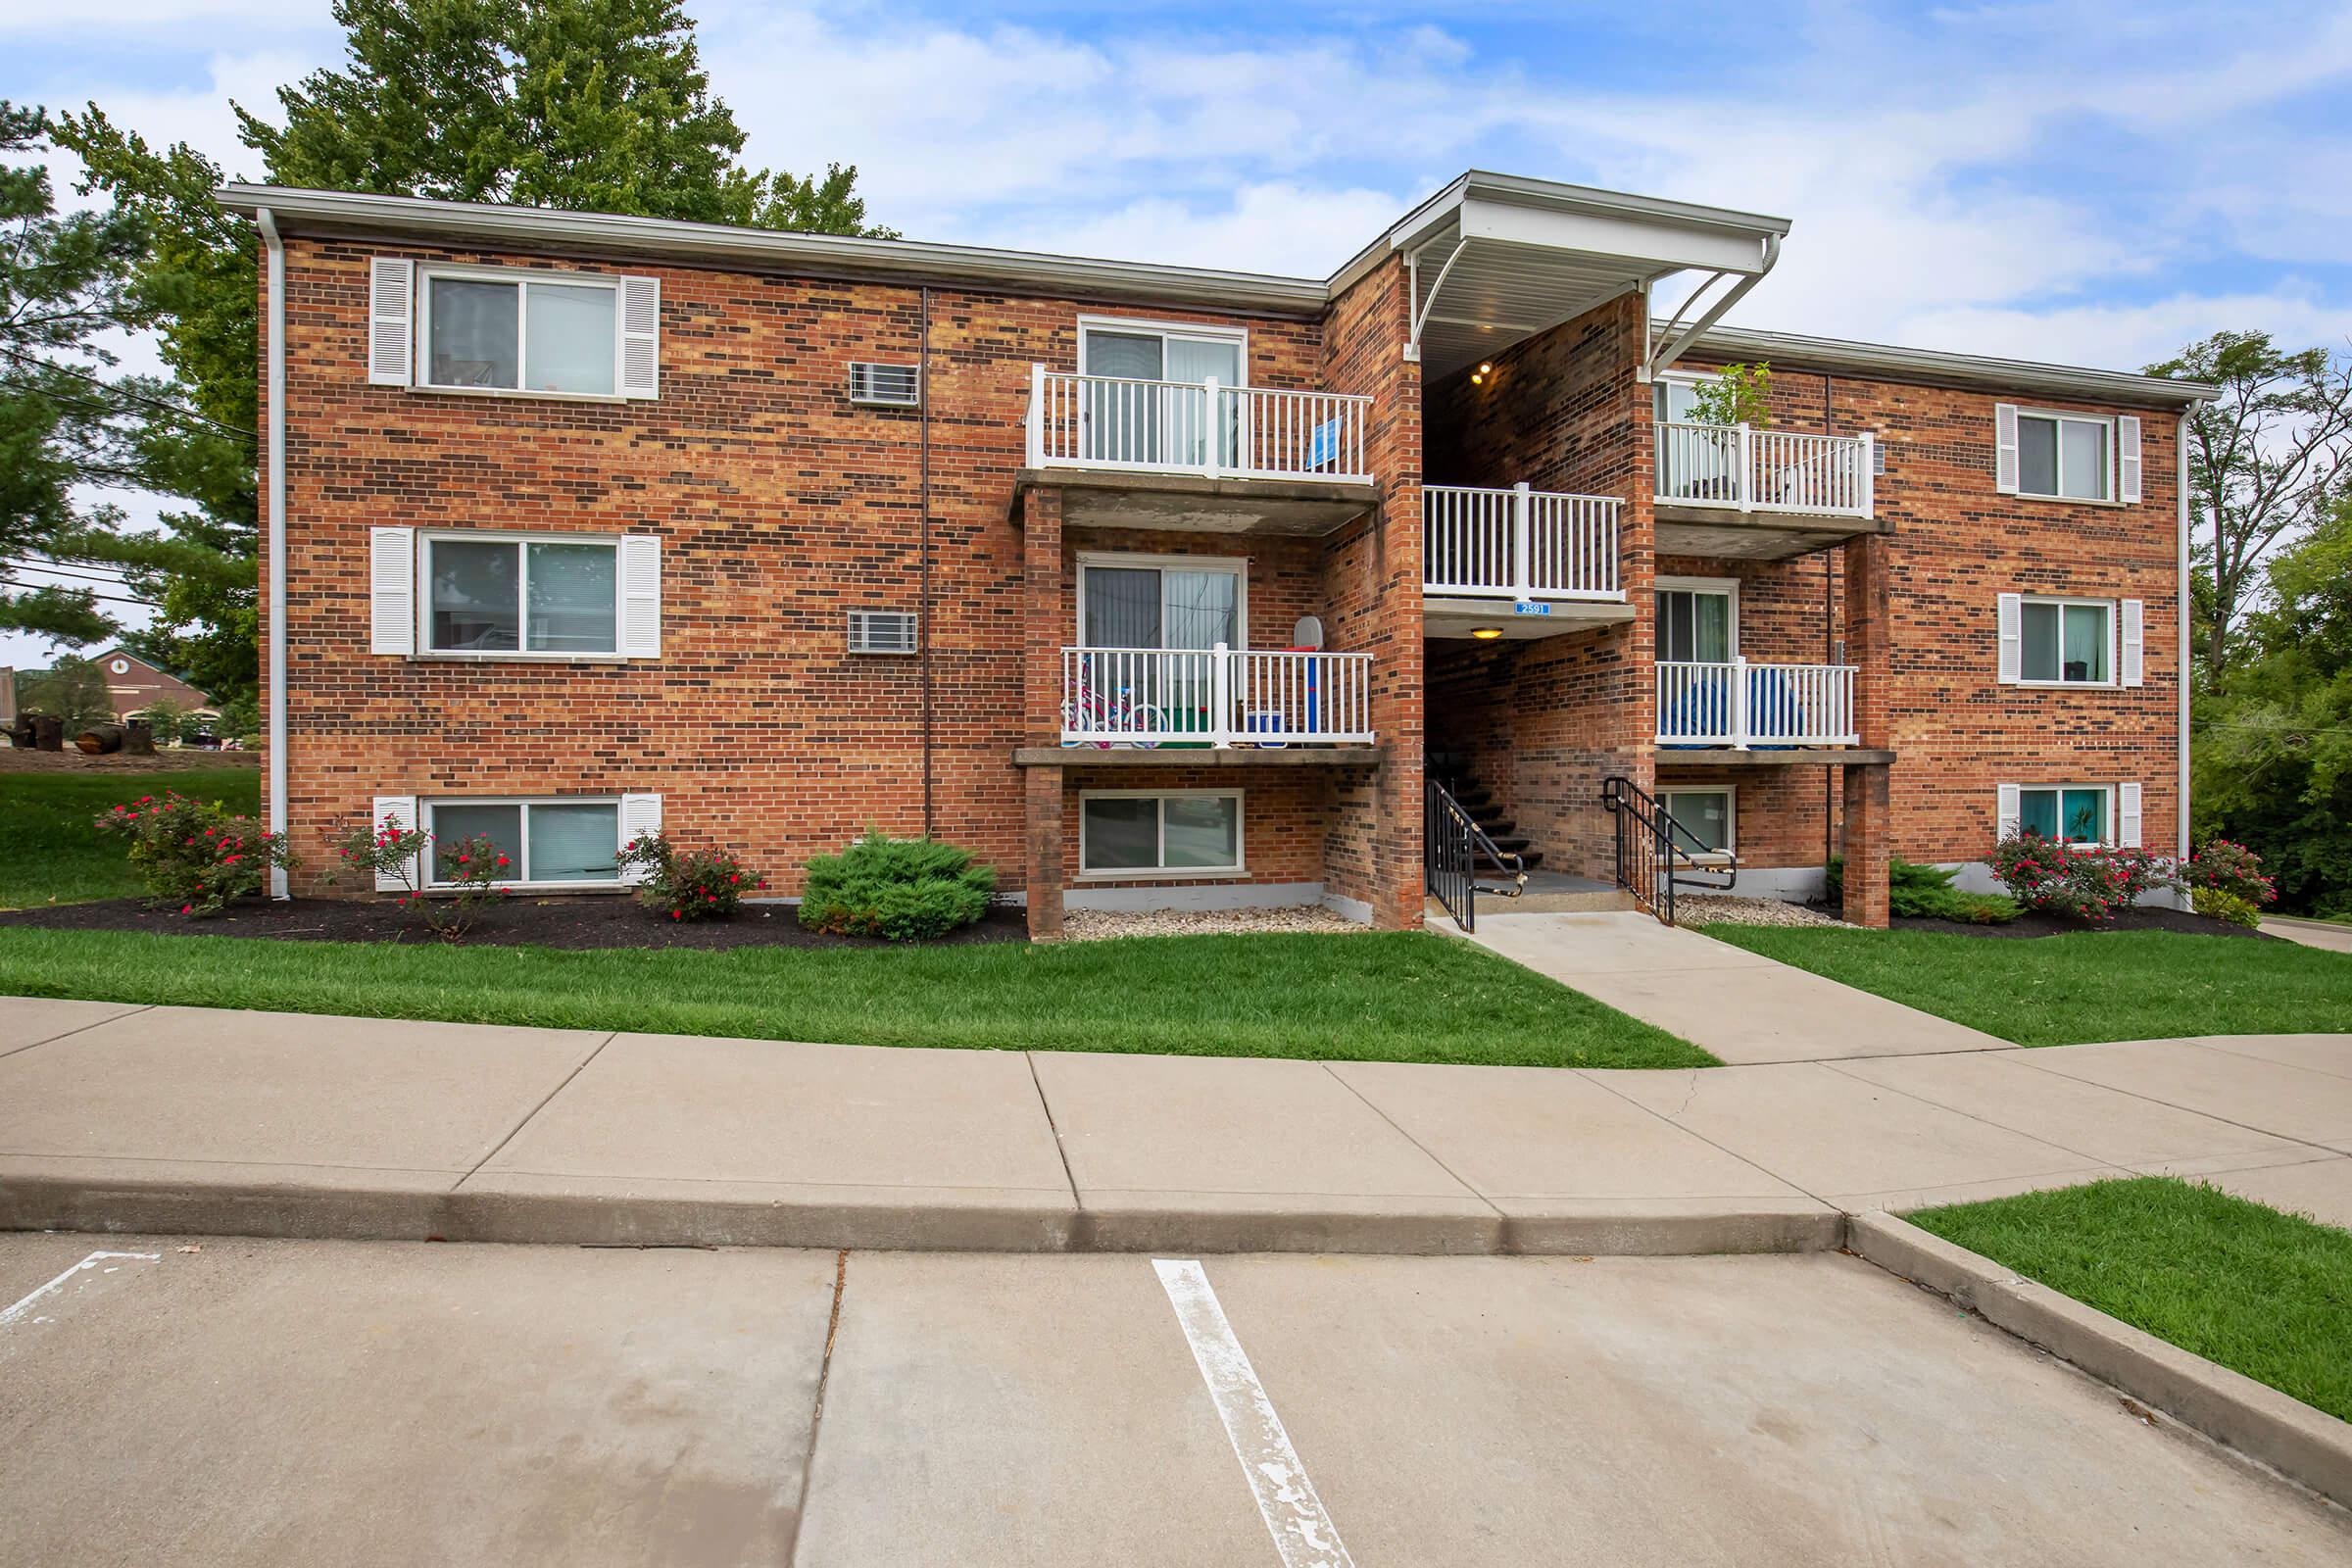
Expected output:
(779, 507)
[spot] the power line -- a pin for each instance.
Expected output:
(156, 404)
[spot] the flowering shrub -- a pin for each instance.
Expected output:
(193, 854)
(2219, 904)
(2088, 883)
(903, 890)
(2224, 866)
(470, 869)
(698, 885)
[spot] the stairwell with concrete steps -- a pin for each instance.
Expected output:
(1548, 890)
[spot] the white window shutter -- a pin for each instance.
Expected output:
(2004, 448)
(392, 591)
(2011, 660)
(2127, 458)
(640, 815)
(401, 810)
(391, 308)
(2134, 661)
(2005, 812)
(641, 337)
(2127, 813)
(641, 596)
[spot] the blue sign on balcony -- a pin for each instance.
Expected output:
(1529, 607)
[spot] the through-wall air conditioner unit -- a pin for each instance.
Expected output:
(882, 631)
(886, 386)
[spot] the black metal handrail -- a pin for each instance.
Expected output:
(1647, 850)
(1451, 841)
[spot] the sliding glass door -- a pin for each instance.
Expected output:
(1150, 407)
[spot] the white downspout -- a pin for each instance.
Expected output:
(2181, 488)
(274, 505)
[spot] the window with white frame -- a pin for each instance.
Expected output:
(1708, 816)
(549, 842)
(2066, 641)
(521, 332)
(1698, 619)
(1163, 602)
(498, 593)
(1144, 833)
(1146, 402)
(2066, 457)
(2072, 813)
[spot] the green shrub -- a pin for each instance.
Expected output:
(2085, 882)
(194, 853)
(2225, 867)
(903, 890)
(696, 885)
(1926, 892)
(2219, 904)
(471, 872)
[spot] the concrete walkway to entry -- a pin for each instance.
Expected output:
(1742, 1005)
(121, 1117)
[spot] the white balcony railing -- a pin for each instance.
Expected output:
(1741, 469)
(1518, 543)
(1218, 696)
(1743, 705)
(1231, 432)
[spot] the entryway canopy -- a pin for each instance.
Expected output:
(1496, 258)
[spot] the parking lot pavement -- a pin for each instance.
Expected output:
(325, 1403)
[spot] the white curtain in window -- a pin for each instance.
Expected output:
(575, 843)
(1200, 609)
(570, 342)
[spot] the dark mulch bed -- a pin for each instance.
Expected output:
(2035, 924)
(579, 924)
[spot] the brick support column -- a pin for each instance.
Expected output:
(1868, 645)
(1866, 845)
(1041, 837)
(1044, 629)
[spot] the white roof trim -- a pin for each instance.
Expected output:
(1941, 367)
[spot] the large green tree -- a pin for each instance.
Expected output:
(2274, 746)
(2267, 460)
(62, 279)
(592, 105)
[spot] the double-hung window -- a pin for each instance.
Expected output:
(2066, 641)
(545, 842)
(555, 332)
(1139, 833)
(531, 595)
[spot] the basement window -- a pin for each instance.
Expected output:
(547, 841)
(1139, 833)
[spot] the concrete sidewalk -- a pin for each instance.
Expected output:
(1742, 1005)
(115, 1117)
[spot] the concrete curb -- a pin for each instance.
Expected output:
(2305, 1445)
(1132, 1223)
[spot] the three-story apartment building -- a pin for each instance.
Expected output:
(1159, 585)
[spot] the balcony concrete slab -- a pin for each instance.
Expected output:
(1192, 503)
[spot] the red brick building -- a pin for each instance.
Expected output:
(133, 685)
(1158, 586)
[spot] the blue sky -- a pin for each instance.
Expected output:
(2081, 182)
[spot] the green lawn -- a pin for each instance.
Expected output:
(2264, 1293)
(48, 853)
(2065, 990)
(1382, 997)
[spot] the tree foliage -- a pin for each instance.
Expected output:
(2265, 461)
(62, 280)
(2274, 745)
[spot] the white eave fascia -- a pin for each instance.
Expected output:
(1938, 367)
(653, 238)
(1434, 215)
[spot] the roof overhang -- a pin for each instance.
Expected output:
(1496, 258)
(321, 212)
(1935, 368)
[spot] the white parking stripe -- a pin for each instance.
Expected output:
(9, 1314)
(1302, 1532)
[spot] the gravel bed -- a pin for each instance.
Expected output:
(1703, 908)
(1098, 925)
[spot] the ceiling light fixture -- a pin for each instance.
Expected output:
(1486, 634)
